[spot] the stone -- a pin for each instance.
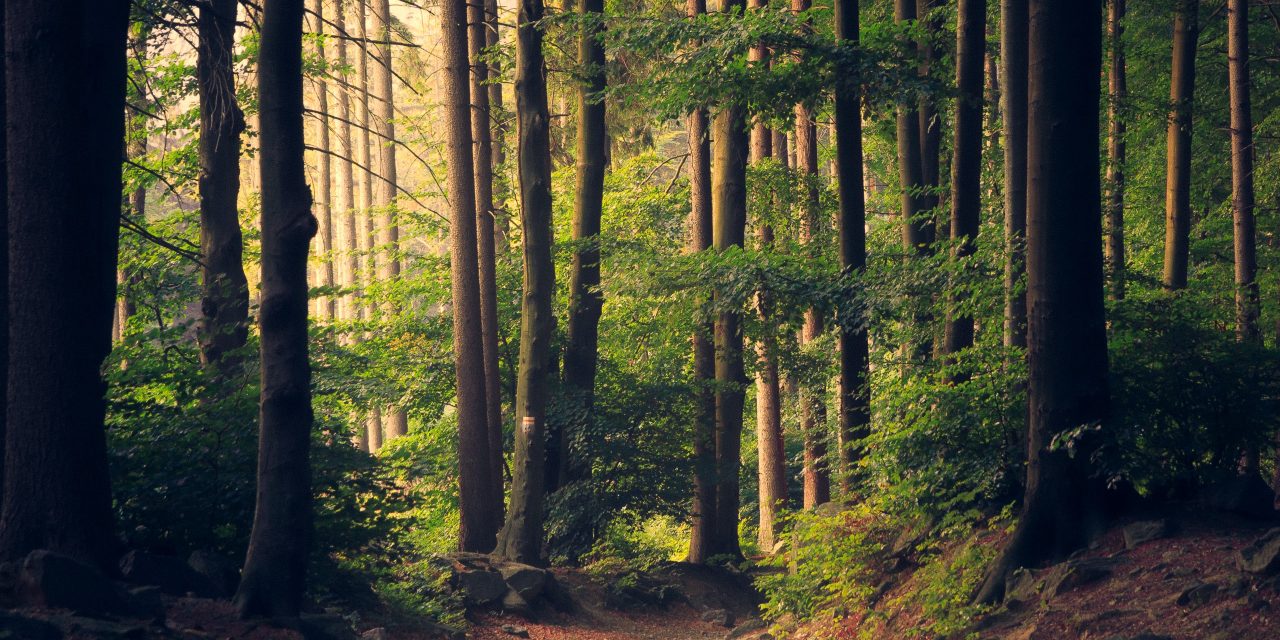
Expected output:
(52, 580)
(1145, 531)
(720, 617)
(750, 626)
(376, 633)
(1246, 495)
(481, 586)
(525, 580)
(513, 602)
(15, 627)
(146, 601)
(1196, 594)
(221, 573)
(1262, 556)
(636, 590)
(1238, 586)
(1077, 573)
(174, 576)
(515, 630)
(1021, 588)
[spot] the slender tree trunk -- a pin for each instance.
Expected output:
(4, 267)
(325, 307)
(493, 37)
(64, 75)
(1118, 87)
(224, 305)
(1066, 333)
(481, 129)
(1177, 207)
(521, 536)
(479, 521)
(966, 166)
(276, 564)
(346, 230)
(1242, 195)
(930, 120)
(916, 227)
(855, 374)
(703, 536)
(367, 230)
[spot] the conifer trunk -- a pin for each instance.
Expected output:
(1178, 169)
(366, 227)
(323, 244)
(346, 230)
(1118, 87)
(1242, 194)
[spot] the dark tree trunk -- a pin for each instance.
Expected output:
(930, 121)
(1242, 195)
(585, 300)
(1062, 505)
(521, 537)
(855, 374)
(276, 564)
(914, 232)
(1177, 205)
(478, 518)
(65, 86)
(4, 267)
(502, 219)
(481, 129)
(224, 305)
(966, 166)
(703, 536)
(1118, 87)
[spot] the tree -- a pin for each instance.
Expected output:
(1067, 344)
(1118, 87)
(703, 535)
(1177, 206)
(325, 305)
(275, 566)
(966, 167)
(224, 305)
(916, 228)
(1242, 197)
(729, 221)
(930, 121)
(479, 522)
(365, 221)
(586, 301)
(486, 253)
(65, 59)
(4, 268)
(855, 375)
(521, 536)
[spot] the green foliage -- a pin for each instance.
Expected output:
(632, 543)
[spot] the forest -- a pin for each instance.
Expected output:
(640, 319)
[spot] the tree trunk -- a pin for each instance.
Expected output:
(703, 534)
(585, 300)
(930, 121)
(346, 229)
(224, 305)
(367, 230)
(325, 308)
(521, 537)
(1062, 506)
(65, 70)
(1242, 196)
(966, 166)
(1013, 66)
(478, 517)
(493, 37)
(481, 129)
(916, 228)
(1118, 87)
(855, 374)
(1177, 204)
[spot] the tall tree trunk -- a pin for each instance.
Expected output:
(930, 121)
(1066, 334)
(1118, 87)
(65, 71)
(325, 308)
(367, 230)
(855, 374)
(275, 566)
(916, 229)
(4, 267)
(966, 166)
(1013, 68)
(493, 37)
(521, 536)
(224, 305)
(395, 421)
(1177, 205)
(346, 230)
(1242, 195)
(479, 521)
(703, 536)
(486, 213)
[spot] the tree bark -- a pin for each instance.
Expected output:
(966, 167)
(323, 203)
(1062, 505)
(346, 230)
(930, 121)
(64, 74)
(502, 219)
(1118, 87)
(224, 304)
(1242, 194)
(486, 213)
(367, 230)
(521, 537)
(1177, 228)
(916, 227)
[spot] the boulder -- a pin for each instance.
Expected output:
(1262, 556)
(174, 576)
(1196, 594)
(20, 628)
(752, 625)
(719, 617)
(515, 630)
(376, 633)
(145, 601)
(1246, 495)
(525, 580)
(52, 580)
(480, 586)
(1145, 531)
(1021, 588)
(512, 602)
(221, 573)
(1073, 574)
(636, 590)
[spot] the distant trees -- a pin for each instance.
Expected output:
(1182, 81)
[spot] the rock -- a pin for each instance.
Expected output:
(481, 586)
(720, 617)
(1196, 595)
(221, 573)
(558, 596)
(514, 630)
(636, 590)
(1178, 572)
(1246, 495)
(525, 580)
(1077, 573)
(512, 602)
(750, 626)
(1021, 588)
(15, 627)
(1262, 556)
(55, 581)
(1145, 531)
(171, 574)
(1238, 586)
(146, 601)
(376, 633)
